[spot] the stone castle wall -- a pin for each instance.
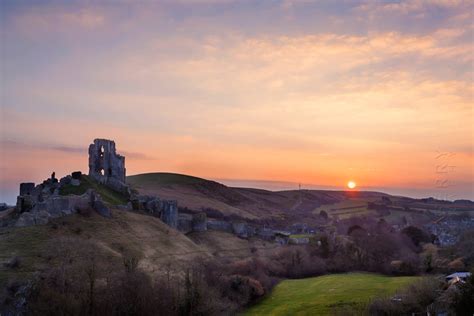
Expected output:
(106, 166)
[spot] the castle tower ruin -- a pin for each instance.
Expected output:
(106, 166)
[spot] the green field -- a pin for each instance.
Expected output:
(347, 208)
(322, 295)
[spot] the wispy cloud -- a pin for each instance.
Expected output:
(7, 145)
(380, 84)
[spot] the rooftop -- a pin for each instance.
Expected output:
(460, 275)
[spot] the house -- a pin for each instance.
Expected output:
(458, 277)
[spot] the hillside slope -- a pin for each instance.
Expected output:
(191, 192)
(125, 235)
(197, 194)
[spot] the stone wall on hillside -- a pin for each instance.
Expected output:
(166, 210)
(185, 223)
(220, 225)
(169, 213)
(199, 222)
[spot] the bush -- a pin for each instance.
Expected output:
(12, 297)
(414, 299)
(465, 247)
(13, 263)
(323, 215)
(417, 235)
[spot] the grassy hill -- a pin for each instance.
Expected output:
(321, 295)
(125, 234)
(226, 245)
(196, 194)
(191, 192)
(287, 206)
(163, 178)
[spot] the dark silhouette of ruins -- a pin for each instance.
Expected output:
(106, 166)
(37, 204)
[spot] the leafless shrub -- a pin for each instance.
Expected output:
(13, 263)
(413, 299)
(130, 263)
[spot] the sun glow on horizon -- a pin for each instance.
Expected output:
(351, 184)
(376, 91)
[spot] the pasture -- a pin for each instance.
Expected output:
(325, 294)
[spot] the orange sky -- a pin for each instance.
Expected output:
(301, 92)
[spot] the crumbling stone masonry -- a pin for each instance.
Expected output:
(27, 188)
(36, 205)
(166, 210)
(169, 213)
(106, 166)
(220, 225)
(185, 223)
(199, 222)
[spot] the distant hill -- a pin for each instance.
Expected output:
(197, 194)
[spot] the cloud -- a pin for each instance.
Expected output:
(135, 155)
(301, 64)
(7, 145)
(375, 85)
(408, 6)
(84, 18)
(44, 19)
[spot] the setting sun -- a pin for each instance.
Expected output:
(351, 184)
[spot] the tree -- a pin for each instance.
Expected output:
(356, 229)
(324, 246)
(416, 235)
(324, 215)
(465, 247)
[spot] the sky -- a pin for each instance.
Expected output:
(267, 93)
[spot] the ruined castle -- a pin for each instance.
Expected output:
(37, 204)
(106, 166)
